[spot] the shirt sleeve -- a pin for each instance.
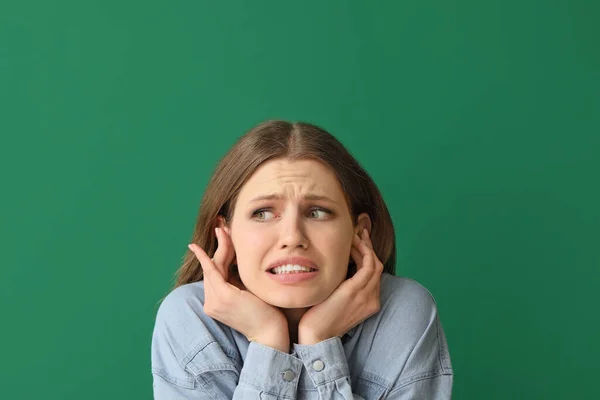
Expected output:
(328, 369)
(270, 373)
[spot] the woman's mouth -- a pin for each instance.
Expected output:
(291, 269)
(291, 274)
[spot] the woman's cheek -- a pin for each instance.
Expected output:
(338, 248)
(251, 247)
(255, 237)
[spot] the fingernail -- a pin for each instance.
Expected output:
(190, 247)
(217, 231)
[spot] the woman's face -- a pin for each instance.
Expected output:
(292, 213)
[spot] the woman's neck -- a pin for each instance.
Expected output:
(293, 316)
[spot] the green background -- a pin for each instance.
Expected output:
(480, 122)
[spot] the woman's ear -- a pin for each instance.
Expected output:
(363, 221)
(221, 223)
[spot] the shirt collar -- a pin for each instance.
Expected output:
(351, 332)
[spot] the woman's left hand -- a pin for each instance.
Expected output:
(355, 300)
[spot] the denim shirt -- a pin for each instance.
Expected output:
(398, 353)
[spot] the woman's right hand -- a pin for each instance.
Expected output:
(237, 308)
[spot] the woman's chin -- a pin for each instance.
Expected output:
(292, 297)
(294, 306)
(286, 302)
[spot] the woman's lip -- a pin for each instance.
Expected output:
(296, 260)
(294, 277)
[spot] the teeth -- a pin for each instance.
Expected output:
(289, 268)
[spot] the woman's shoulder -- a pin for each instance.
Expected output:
(180, 305)
(186, 334)
(181, 309)
(189, 295)
(186, 340)
(405, 292)
(407, 311)
(405, 337)
(181, 318)
(182, 312)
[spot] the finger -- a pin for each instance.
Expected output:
(365, 271)
(356, 256)
(378, 265)
(363, 249)
(375, 278)
(208, 267)
(224, 254)
(367, 239)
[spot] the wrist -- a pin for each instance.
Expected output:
(276, 343)
(277, 338)
(308, 337)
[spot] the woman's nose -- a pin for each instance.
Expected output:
(292, 233)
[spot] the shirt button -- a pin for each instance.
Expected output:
(318, 365)
(288, 375)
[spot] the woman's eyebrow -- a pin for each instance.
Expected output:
(277, 196)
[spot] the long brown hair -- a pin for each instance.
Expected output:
(294, 141)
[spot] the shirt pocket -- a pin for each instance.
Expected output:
(369, 390)
(214, 372)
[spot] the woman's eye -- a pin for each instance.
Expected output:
(266, 215)
(262, 215)
(319, 212)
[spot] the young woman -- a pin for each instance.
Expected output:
(288, 289)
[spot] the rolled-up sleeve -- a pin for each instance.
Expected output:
(327, 367)
(270, 372)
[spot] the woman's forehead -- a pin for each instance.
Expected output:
(282, 178)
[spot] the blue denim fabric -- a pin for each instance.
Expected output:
(398, 353)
